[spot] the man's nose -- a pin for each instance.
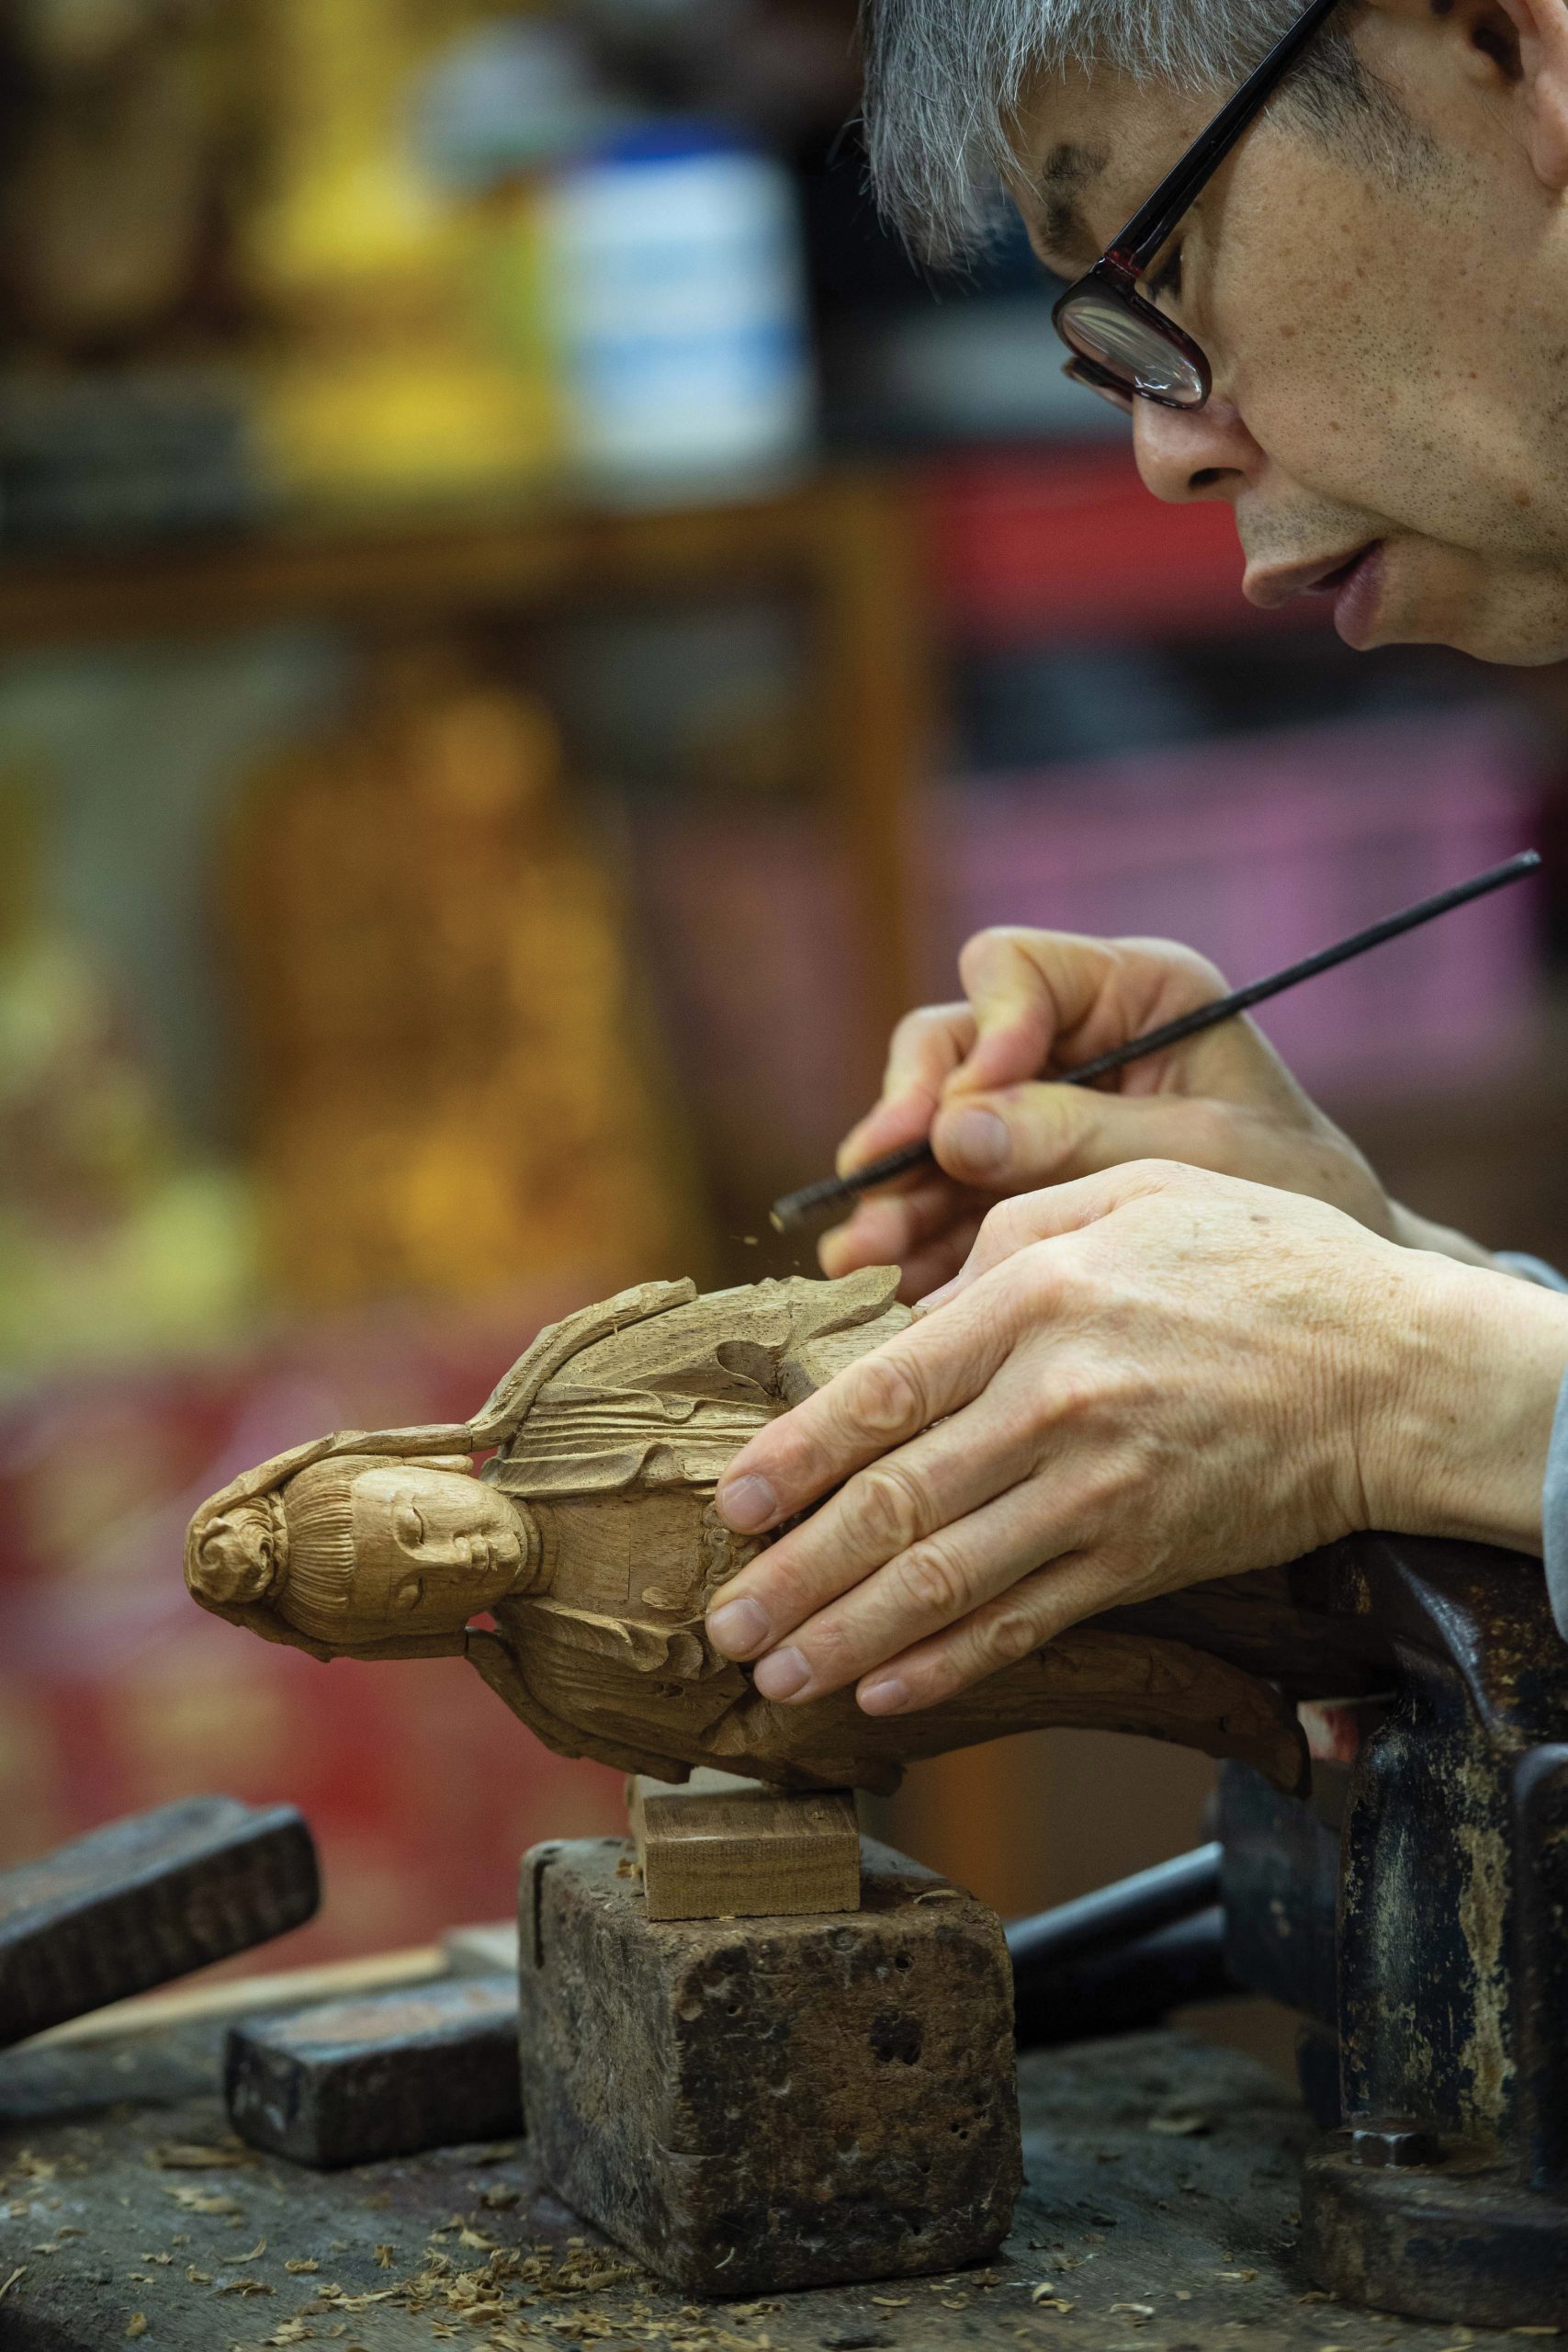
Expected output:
(1191, 453)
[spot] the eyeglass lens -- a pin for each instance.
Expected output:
(1108, 333)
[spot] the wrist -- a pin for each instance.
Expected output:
(1412, 1232)
(1459, 1436)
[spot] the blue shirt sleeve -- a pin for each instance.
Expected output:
(1554, 1501)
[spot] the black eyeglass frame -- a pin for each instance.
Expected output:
(1127, 258)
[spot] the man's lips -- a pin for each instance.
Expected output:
(1272, 587)
(1355, 580)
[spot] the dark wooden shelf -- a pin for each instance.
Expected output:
(365, 564)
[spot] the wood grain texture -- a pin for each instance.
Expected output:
(752, 2107)
(723, 1848)
(591, 1542)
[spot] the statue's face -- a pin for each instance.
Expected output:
(433, 1546)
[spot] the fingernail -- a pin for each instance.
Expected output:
(737, 1627)
(781, 1674)
(978, 1139)
(885, 1698)
(747, 1504)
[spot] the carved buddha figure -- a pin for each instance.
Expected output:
(589, 1541)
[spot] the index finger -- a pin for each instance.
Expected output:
(874, 1404)
(1054, 999)
(927, 1047)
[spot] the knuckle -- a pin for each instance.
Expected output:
(935, 1582)
(1204, 980)
(832, 1646)
(884, 1397)
(1164, 1175)
(1001, 1226)
(915, 1027)
(1006, 1633)
(888, 1507)
(985, 951)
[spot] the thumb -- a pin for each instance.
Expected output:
(1022, 1135)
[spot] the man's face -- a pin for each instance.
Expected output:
(1390, 350)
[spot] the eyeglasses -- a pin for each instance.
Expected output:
(1123, 346)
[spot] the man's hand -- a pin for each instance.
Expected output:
(1140, 1380)
(976, 1079)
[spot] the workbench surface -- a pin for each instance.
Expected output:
(1160, 2212)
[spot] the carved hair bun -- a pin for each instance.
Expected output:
(241, 1556)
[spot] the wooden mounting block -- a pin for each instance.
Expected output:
(717, 1846)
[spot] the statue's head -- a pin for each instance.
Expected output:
(361, 1547)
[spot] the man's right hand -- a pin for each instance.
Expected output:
(977, 1078)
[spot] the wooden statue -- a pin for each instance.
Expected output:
(590, 1541)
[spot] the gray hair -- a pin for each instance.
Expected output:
(945, 77)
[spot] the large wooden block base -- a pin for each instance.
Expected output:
(753, 2105)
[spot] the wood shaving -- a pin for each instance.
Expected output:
(199, 2155)
(197, 2277)
(1046, 2299)
(203, 2200)
(21, 2272)
(1181, 2123)
(1137, 2311)
(384, 2257)
(258, 2249)
(296, 2263)
(245, 2287)
(137, 2324)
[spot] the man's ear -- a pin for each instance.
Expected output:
(1523, 43)
(1513, 49)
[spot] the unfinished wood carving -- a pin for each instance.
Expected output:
(591, 1540)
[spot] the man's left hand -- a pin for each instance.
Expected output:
(1138, 1381)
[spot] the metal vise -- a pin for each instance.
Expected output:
(1413, 1907)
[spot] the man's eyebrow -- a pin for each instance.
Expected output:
(1067, 172)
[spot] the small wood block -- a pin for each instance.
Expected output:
(740, 1850)
(145, 1900)
(353, 2081)
(752, 2105)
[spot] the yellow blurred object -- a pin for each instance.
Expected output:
(111, 1243)
(397, 369)
(450, 1082)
